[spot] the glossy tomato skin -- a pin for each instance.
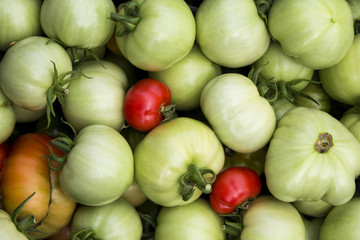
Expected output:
(14, 28)
(143, 103)
(233, 187)
(25, 171)
(195, 220)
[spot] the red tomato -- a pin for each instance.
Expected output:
(146, 104)
(233, 187)
(4, 149)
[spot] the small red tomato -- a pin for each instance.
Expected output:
(233, 187)
(146, 104)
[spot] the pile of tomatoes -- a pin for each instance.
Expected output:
(179, 119)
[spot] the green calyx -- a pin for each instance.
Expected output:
(271, 90)
(167, 111)
(27, 225)
(83, 235)
(128, 16)
(58, 90)
(232, 224)
(263, 7)
(65, 144)
(195, 177)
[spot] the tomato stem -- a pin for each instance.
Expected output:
(65, 144)
(128, 19)
(83, 235)
(324, 143)
(195, 177)
(167, 111)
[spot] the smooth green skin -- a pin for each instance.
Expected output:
(342, 222)
(304, 28)
(314, 209)
(24, 116)
(292, 164)
(99, 167)
(7, 116)
(341, 81)
(281, 67)
(281, 106)
(26, 71)
(187, 78)
(8, 229)
(242, 119)
(165, 154)
(351, 120)
(97, 97)
(113, 221)
(164, 35)
(196, 220)
(313, 227)
(231, 33)
(315, 91)
(355, 8)
(19, 19)
(268, 218)
(73, 22)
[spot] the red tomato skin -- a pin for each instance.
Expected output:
(232, 187)
(143, 103)
(4, 149)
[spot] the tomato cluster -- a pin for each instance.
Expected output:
(179, 119)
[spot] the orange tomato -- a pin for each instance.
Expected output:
(26, 170)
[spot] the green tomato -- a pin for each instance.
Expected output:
(231, 33)
(313, 227)
(355, 8)
(8, 230)
(310, 146)
(304, 28)
(97, 96)
(279, 66)
(81, 23)
(342, 222)
(194, 220)
(317, 208)
(7, 116)
(316, 92)
(341, 81)
(351, 120)
(19, 19)
(99, 167)
(268, 218)
(171, 154)
(113, 221)
(164, 35)
(187, 78)
(254, 160)
(23, 115)
(281, 106)
(134, 195)
(27, 71)
(242, 119)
